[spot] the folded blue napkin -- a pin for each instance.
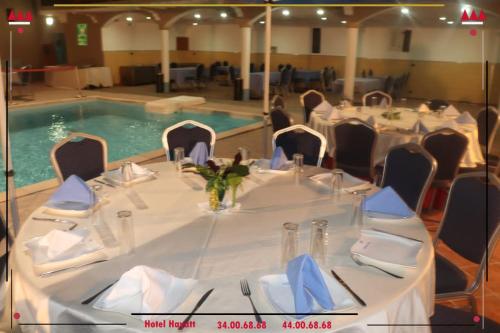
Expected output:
(420, 127)
(73, 194)
(279, 159)
(199, 153)
(387, 201)
(307, 284)
(466, 118)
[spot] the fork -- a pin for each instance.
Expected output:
(245, 290)
(360, 263)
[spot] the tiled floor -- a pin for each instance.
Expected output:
(253, 140)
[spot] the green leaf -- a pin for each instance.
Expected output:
(240, 170)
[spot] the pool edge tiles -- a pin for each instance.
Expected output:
(247, 122)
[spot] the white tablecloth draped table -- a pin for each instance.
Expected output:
(90, 76)
(257, 82)
(398, 131)
(180, 74)
(175, 235)
(363, 85)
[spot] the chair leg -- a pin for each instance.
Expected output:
(473, 304)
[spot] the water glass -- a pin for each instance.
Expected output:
(358, 215)
(298, 163)
(178, 158)
(126, 231)
(319, 240)
(337, 181)
(245, 154)
(289, 242)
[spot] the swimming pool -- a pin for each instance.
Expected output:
(128, 129)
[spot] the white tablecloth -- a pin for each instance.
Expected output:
(257, 82)
(91, 76)
(171, 234)
(398, 132)
(363, 85)
(180, 74)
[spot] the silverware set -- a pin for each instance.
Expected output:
(245, 290)
(72, 224)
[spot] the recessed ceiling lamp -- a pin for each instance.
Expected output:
(320, 12)
(285, 12)
(148, 17)
(49, 20)
(450, 22)
(343, 22)
(405, 11)
(195, 23)
(324, 18)
(262, 22)
(442, 18)
(129, 19)
(197, 16)
(223, 14)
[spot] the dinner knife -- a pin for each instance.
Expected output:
(91, 298)
(104, 183)
(200, 302)
(339, 279)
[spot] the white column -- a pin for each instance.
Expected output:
(350, 62)
(165, 58)
(267, 76)
(246, 49)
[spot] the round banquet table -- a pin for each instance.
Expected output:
(175, 235)
(396, 132)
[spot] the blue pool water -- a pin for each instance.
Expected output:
(126, 127)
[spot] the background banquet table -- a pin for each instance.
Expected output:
(172, 233)
(179, 75)
(363, 85)
(257, 82)
(308, 75)
(90, 76)
(398, 131)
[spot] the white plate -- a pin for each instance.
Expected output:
(279, 293)
(114, 177)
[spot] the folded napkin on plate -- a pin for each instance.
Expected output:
(451, 111)
(466, 118)
(395, 254)
(333, 114)
(323, 107)
(73, 194)
(279, 159)
(371, 121)
(349, 183)
(451, 123)
(199, 153)
(424, 108)
(307, 285)
(387, 202)
(419, 127)
(62, 249)
(139, 174)
(145, 289)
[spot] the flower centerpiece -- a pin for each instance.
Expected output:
(220, 178)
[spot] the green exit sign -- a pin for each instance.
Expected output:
(81, 34)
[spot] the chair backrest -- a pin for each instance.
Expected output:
(262, 67)
(173, 65)
(200, 69)
(368, 98)
(225, 63)
(355, 142)
(435, 104)
(389, 84)
(25, 77)
(487, 125)
(448, 147)
(286, 76)
(334, 74)
(278, 102)
(280, 67)
(370, 72)
(4, 239)
(187, 134)
(409, 170)
(471, 216)
(79, 154)
(303, 140)
(252, 67)
(279, 119)
(232, 73)
(309, 100)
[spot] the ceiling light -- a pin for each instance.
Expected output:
(405, 11)
(195, 23)
(450, 22)
(197, 16)
(442, 18)
(262, 22)
(148, 17)
(324, 18)
(343, 22)
(285, 12)
(129, 19)
(223, 14)
(320, 12)
(49, 20)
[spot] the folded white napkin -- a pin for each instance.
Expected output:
(323, 107)
(451, 111)
(424, 108)
(139, 174)
(451, 123)
(333, 114)
(466, 118)
(145, 289)
(62, 249)
(279, 293)
(349, 183)
(139, 170)
(392, 253)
